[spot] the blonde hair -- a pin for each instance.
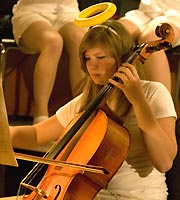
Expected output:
(119, 44)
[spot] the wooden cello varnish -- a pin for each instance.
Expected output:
(102, 145)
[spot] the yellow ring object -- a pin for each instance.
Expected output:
(95, 14)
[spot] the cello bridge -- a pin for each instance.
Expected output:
(38, 191)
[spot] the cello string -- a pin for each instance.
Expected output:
(35, 170)
(29, 177)
(33, 174)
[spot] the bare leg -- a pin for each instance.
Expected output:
(41, 38)
(72, 36)
(131, 27)
(156, 68)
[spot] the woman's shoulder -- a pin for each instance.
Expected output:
(73, 104)
(159, 98)
(67, 112)
(156, 91)
(153, 86)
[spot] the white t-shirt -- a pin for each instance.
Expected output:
(156, 8)
(136, 178)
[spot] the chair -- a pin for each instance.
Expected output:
(5, 45)
(17, 77)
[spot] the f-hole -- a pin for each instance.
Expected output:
(58, 193)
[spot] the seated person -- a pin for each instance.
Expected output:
(44, 27)
(142, 23)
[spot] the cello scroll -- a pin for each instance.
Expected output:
(165, 32)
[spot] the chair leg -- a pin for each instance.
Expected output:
(2, 64)
(5, 45)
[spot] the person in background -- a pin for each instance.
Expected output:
(45, 27)
(145, 109)
(142, 22)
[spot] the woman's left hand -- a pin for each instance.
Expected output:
(129, 82)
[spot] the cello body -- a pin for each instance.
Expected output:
(104, 143)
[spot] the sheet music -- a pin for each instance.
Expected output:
(6, 149)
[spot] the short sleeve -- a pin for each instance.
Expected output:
(67, 112)
(160, 99)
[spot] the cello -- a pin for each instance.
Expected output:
(65, 183)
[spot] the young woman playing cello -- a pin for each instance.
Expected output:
(146, 109)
